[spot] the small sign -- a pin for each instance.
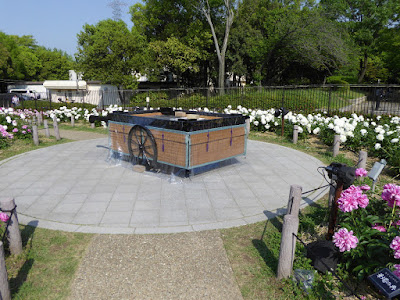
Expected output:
(387, 283)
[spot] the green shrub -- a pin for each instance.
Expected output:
(46, 105)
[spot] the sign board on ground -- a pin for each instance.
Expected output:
(387, 283)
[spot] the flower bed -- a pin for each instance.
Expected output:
(379, 136)
(368, 229)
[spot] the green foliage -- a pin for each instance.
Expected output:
(109, 52)
(365, 21)
(286, 39)
(45, 105)
(21, 58)
(372, 252)
(174, 56)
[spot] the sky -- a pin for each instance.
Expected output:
(56, 23)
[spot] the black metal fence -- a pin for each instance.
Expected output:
(362, 99)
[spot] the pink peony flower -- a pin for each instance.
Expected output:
(345, 240)
(24, 126)
(4, 217)
(347, 203)
(391, 194)
(365, 187)
(379, 227)
(15, 130)
(397, 270)
(395, 245)
(352, 198)
(360, 172)
(23, 131)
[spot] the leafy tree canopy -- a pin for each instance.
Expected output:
(109, 52)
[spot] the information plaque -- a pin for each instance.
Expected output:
(387, 283)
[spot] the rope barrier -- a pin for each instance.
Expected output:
(321, 187)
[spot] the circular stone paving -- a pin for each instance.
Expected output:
(77, 187)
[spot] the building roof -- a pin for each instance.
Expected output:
(65, 84)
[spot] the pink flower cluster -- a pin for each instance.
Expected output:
(352, 198)
(391, 194)
(4, 133)
(379, 227)
(360, 172)
(397, 270)
(345, 240)
(395, 245)
(4, 217)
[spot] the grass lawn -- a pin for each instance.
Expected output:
(50, 259)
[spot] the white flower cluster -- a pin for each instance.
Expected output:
(313, 124)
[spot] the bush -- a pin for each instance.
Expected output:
(45, 105)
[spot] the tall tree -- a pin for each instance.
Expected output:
(159, 20)
(365, 20)
(109, 52)
(175, 56)
(285, 37)
(228, 14)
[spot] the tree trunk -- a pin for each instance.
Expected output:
(221, 75)
(363, 67)
(220, 51)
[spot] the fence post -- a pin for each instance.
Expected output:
(5, 293)
(336, 145)
(56, 130)
(294, 200)
(330, 99)
(362, 159)
(289, 229)
(46, 128)
(35, 135)
(295, 134)
(13, 233)
(72, 120)
(288, 246)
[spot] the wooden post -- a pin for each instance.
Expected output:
(35, 135)
(289, 228)
(72, 120)
(295, 134)
(56, 130)
(288, 246)
(362, 160)
(13, 233)
(334, 210)
(336, 145)
(92, 125)
(331, 195)
(46, 128)
(5, 293)
(294, 200)
(247, 122)
(38, 117)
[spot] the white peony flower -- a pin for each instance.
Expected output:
(378, 146)
(316, 130)
(380, 137)
(395, 140)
